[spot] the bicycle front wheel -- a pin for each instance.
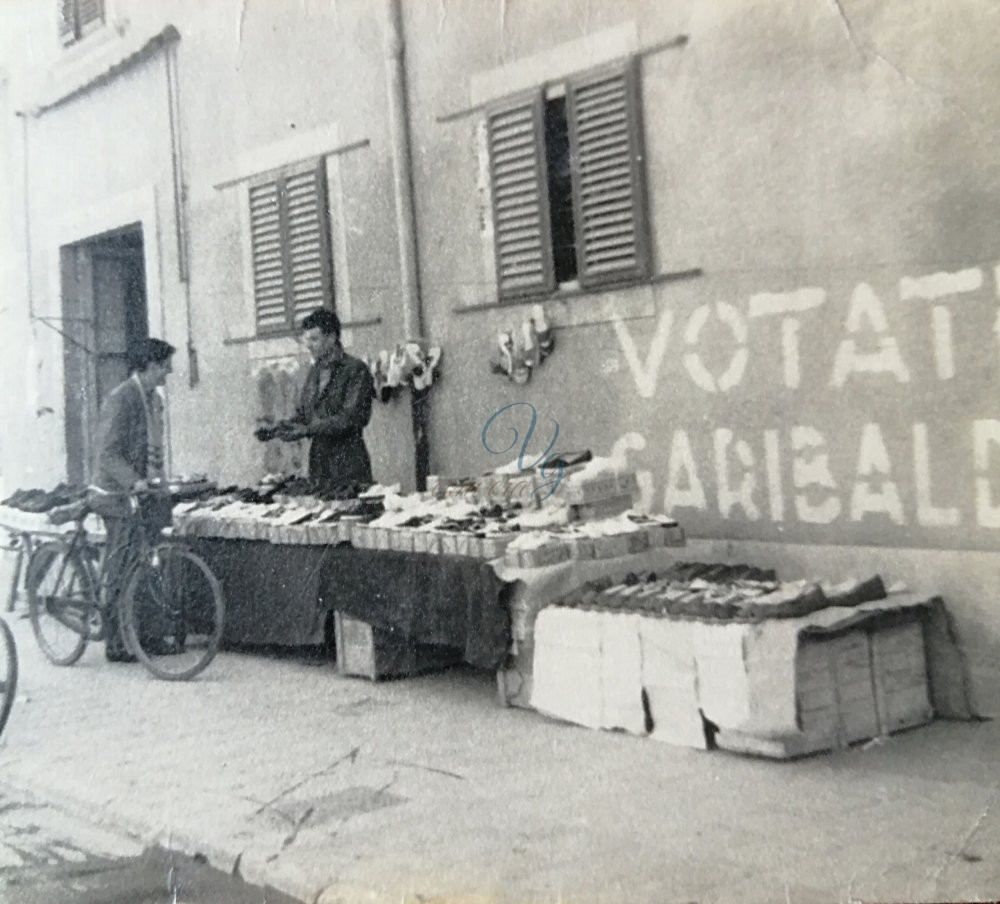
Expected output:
(8, 672)
(62, 602)
(172, 612)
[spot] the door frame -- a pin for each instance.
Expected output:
(133, 209)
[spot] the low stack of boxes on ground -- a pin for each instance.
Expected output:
(731, 656)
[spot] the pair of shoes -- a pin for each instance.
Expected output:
(119, 654)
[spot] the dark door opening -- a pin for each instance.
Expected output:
(105, 313)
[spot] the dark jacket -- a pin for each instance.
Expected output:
(334, 416)
(120, 455)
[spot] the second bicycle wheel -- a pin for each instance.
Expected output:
(8, 672)
(172, 611)
(61, 602)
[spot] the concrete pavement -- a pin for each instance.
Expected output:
(335, 789)
(48, 856)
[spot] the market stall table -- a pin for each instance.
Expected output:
(273, 593)
(284, 594)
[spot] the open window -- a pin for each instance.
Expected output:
(569, 204)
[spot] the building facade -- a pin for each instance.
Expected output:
(761, 229)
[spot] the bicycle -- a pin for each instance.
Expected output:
(171, 608)
(8, 672)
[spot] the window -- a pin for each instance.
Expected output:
(78, 18)
(290, 244)
(568, 192)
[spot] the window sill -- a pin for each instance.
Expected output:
(76, 52)
(292, 334)
(580, 307)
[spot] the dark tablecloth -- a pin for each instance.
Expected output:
(273, 593)
(283, 594)
(452, 601)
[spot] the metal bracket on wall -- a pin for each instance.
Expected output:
(45, 321)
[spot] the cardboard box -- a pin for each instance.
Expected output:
(581, 547)
(493, 547)
(566, 666)
(670, 682)
(594, 511)
(850, 688)
(612, 547)
(449, 543)
(543, 556)
(361, 536)
(660, 535)
(466, 544)
(638, 541)
(899, 667)
(367, 652)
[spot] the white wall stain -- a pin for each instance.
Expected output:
(684, 488)
(985, 434)
(784, 305)
(772, 463)
(928, 514)
(811, 469)
(931, 288)
(938, 285)
(733, 374)
(645, 373)
(865, 307)
(740, 496)
(635, 442)
(867, 497)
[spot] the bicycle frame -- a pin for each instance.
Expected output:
(96, 558)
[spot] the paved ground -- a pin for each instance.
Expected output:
(337, 789)
(50, 857)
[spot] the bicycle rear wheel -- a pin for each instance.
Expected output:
(62, 601)
(172, 612)
(8, 672)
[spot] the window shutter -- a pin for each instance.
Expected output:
(290, 243)
(268, 257)
(91, 15)
(520, 199)
(609, 194)
(67, 21)
(307, 221)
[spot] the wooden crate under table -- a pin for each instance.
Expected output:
(365, 651)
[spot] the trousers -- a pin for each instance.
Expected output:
(121, 551)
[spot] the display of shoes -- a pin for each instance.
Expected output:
(37, 501)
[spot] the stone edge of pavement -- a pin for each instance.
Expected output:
(245, 865)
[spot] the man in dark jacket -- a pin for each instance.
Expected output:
(334, 407)
(129, 454)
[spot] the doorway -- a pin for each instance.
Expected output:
(105, 313)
